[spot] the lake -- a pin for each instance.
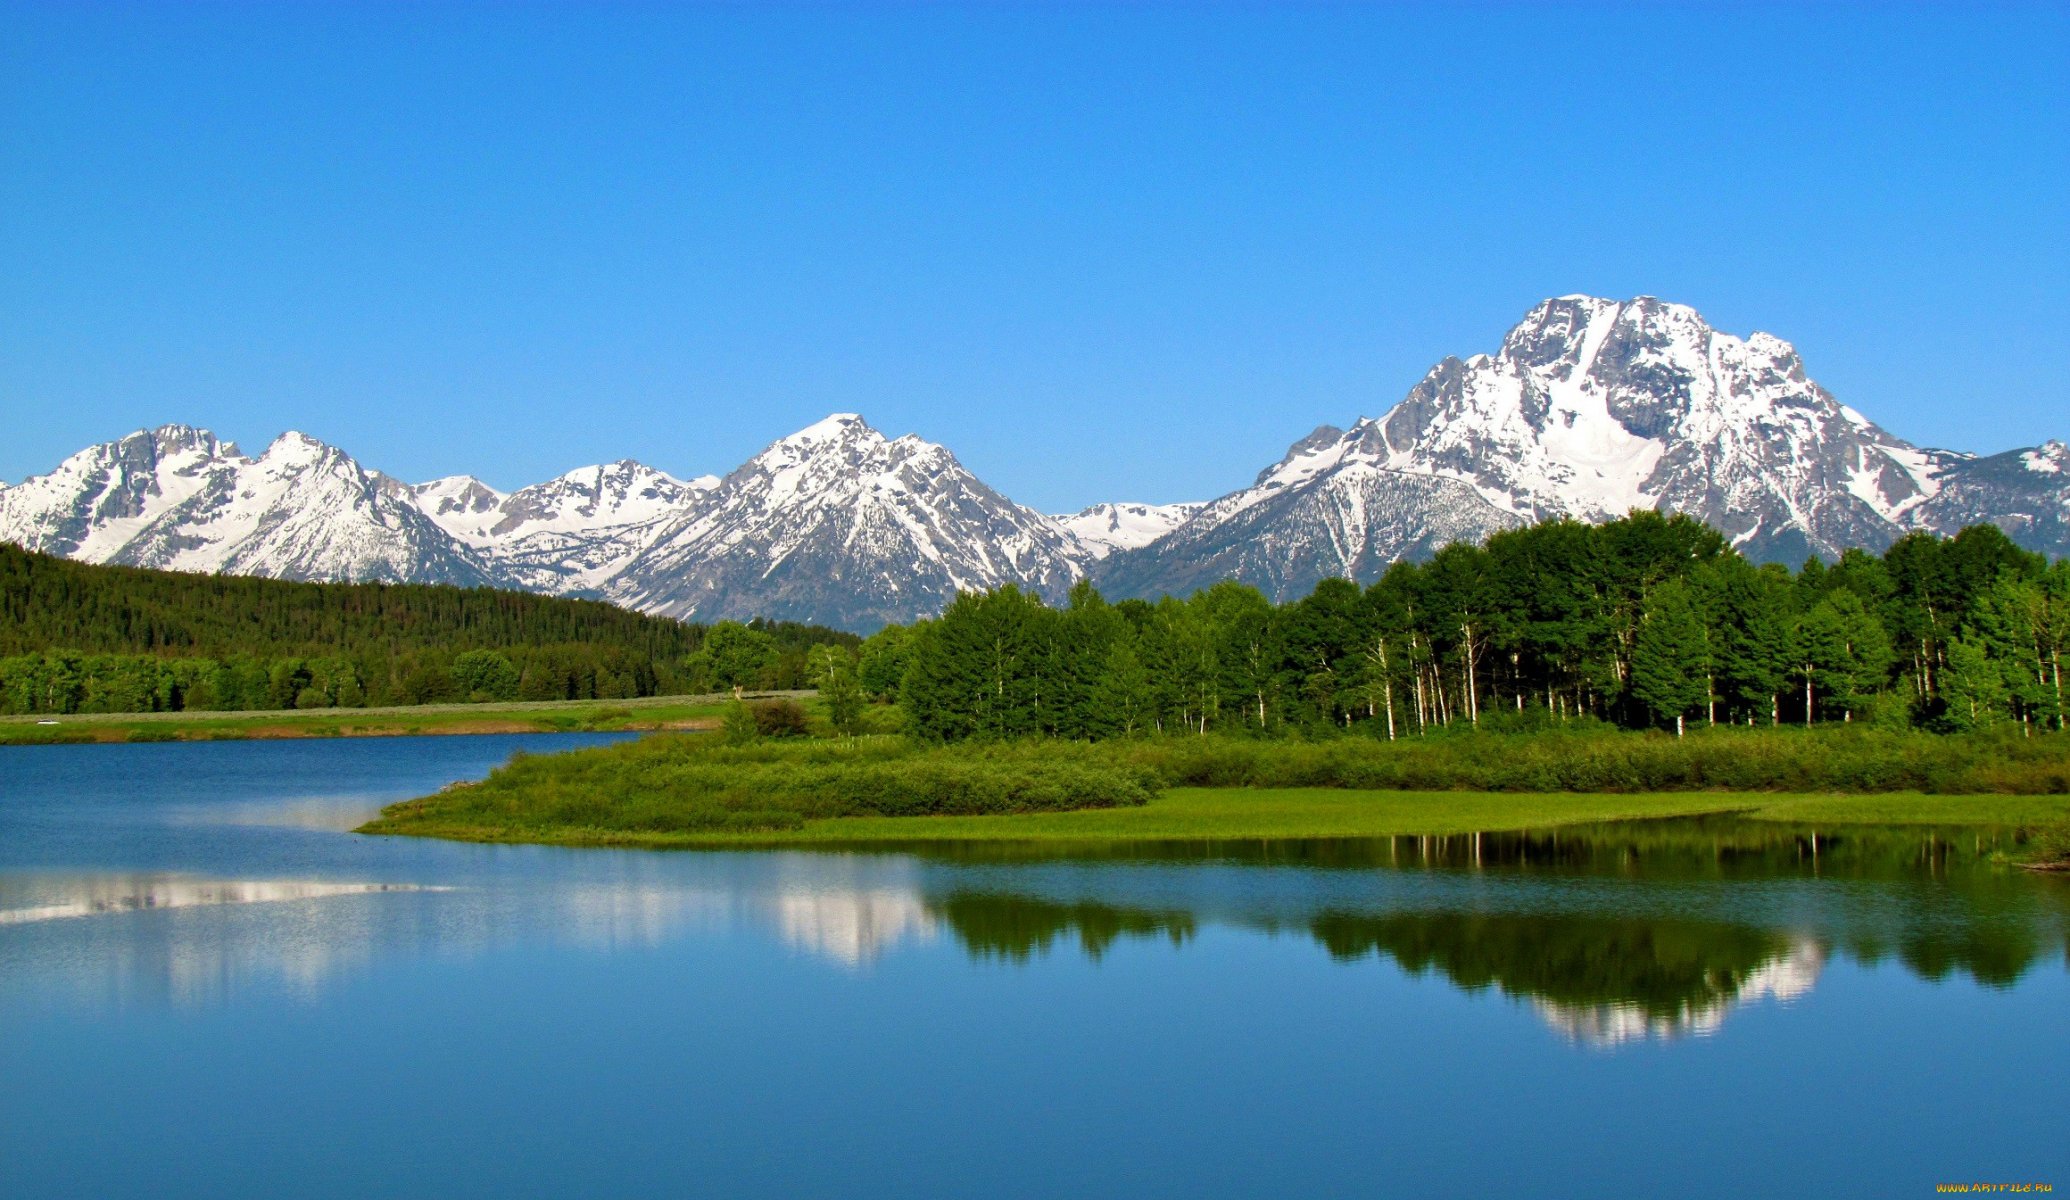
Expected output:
(209, 988)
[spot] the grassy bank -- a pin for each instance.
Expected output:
(1596, 758)
(674, 791)
(654, 713)
(678, 785)
(1230, 814)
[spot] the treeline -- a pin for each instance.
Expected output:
(83, 638)
(1647, 621)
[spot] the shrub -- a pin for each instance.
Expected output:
(779, 718)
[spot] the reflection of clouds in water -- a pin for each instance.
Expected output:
(338, 814)
(181, 940)
(843, 909)
(620, 917)
(1790, 974)
(158, 939)
(60, 897)
(852, 927)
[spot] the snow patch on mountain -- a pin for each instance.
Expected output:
(1104, 528)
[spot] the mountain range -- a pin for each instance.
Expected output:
(1590, 408)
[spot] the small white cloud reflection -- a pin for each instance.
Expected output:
(845, 910)
(627, 917)
(853, 927)
(1787, 976)
(336, 814)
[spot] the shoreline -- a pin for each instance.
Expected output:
(1236, 814)
(647, 714)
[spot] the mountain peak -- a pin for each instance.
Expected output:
(296, 446)
(2051, 457)
(833, 426)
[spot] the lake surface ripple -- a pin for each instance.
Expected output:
(209, 987)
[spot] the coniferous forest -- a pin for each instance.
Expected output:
(76, 637)
(1644, 622)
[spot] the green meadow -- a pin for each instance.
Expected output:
(701, 791)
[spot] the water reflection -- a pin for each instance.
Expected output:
(852, 927)
(56, 897)
(1018, 928)
(1783, 979)
(1598, 981)
(1609, 935)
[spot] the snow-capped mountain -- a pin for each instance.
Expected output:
(582, 501)
(177, 498)
(839, 524)
(1595, 407)
(571, 534)
(2024, 492)
(1328, 508)
(1105, 528)
(1591, 408)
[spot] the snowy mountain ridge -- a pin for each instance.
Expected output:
(1588, 408)
(1105, 528)
(178, 498)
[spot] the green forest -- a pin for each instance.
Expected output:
(1645, 622)
(81, 638)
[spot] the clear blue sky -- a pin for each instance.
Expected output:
(1101, 253)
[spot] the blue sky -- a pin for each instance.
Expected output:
(1100, 252)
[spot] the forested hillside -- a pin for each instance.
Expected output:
(81, 638)
(1647, 621)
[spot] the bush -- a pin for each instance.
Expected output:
(779, 718)
(2052, 844)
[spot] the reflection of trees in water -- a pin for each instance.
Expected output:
(991, 925)
(1659, 966)
(1594, 978)
(1600, 979)
(1671, 848)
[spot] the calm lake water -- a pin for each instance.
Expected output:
(209, 988)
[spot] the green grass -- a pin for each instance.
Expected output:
(545, 716)
(1228, 814)
(679, 785)
(687, 791)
